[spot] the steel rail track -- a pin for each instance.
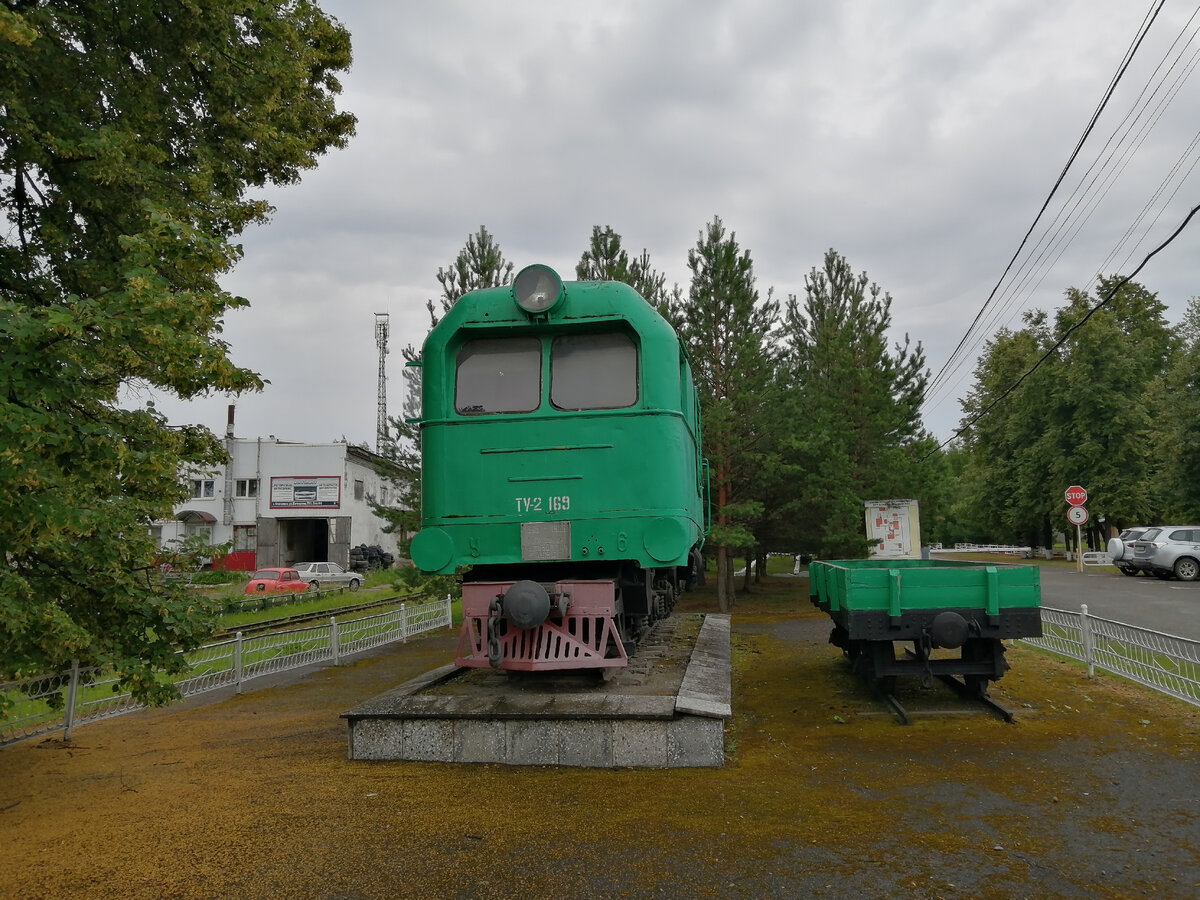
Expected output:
(300, 618)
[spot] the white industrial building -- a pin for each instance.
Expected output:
(279, 503)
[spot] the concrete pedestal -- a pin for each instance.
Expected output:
(667, 709)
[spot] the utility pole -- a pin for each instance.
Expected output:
(381, 341)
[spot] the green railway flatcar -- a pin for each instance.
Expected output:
(937, 605)
(561, 463)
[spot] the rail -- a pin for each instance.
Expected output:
(63, 700)
(1160, 661)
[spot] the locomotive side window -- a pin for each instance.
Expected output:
(498, 375)
(593, 371)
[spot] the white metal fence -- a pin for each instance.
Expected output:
(47, 703)
(1161, 661)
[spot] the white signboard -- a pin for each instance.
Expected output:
(896, 525)
(306, 492)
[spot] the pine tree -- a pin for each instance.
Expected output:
(606, 260)
(856, 405)
(479, 264)
(729, 336)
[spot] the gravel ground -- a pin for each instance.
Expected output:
(1094, 792)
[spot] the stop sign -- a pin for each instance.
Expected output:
(1076, 495)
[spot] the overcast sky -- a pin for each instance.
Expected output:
(918, 139)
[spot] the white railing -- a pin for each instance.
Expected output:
(1161, 661)
(982, 548)
(47, 703)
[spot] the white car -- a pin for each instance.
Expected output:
(327, 574)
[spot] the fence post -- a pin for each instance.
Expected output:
(335, 641)
(72, 692)
(1085, 634)
(449, 613)
(404, 623)
(237, 661)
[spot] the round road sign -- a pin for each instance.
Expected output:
(1077, 515)
(1076, 495)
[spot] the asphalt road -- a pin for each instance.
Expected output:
(1171, 607)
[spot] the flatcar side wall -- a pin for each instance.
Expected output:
(886, 601)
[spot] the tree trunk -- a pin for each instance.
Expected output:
(749, 573)
(724, 580)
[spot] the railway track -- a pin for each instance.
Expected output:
(284, 622)
(960, 688)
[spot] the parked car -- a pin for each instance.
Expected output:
(327, 574)
(1120, 549)
(276, 581)
(1169, 550)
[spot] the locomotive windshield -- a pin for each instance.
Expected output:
(498, 375)
(593, 371)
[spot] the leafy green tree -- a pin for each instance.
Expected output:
(729, 334)
(855, 406)
(1008, 438)
(1108, 400)
(131, 132)
(1091, 408)
(1181, 421)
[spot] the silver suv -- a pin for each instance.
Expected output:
(1120, 549)
(1169, 550)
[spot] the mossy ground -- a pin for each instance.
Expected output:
(1095, 792)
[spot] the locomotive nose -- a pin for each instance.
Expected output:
(526, 604)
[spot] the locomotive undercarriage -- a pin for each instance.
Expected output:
(568, 618)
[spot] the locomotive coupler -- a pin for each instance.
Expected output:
(495, 612)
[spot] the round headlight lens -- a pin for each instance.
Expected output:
(537, 289)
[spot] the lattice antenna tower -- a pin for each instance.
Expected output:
(381, 341)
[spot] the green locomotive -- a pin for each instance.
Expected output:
(561, 462)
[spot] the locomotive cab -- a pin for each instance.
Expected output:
(560, 462)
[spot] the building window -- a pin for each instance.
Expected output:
(203, 487)
(245, 487)
(245, 537)
(359, 489)
(191, 529)
(156, 535)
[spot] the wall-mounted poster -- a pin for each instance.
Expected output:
(306, 492)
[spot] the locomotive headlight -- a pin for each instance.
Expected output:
(538, 289)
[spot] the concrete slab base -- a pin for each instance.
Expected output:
(666, 710)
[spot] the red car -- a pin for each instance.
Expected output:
(276, 581)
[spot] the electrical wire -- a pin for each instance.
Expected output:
(1066, 334)
(958, 355)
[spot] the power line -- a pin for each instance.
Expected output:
(1112, 291)
(954, 359)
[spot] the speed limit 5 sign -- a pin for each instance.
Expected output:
(1077, 515)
